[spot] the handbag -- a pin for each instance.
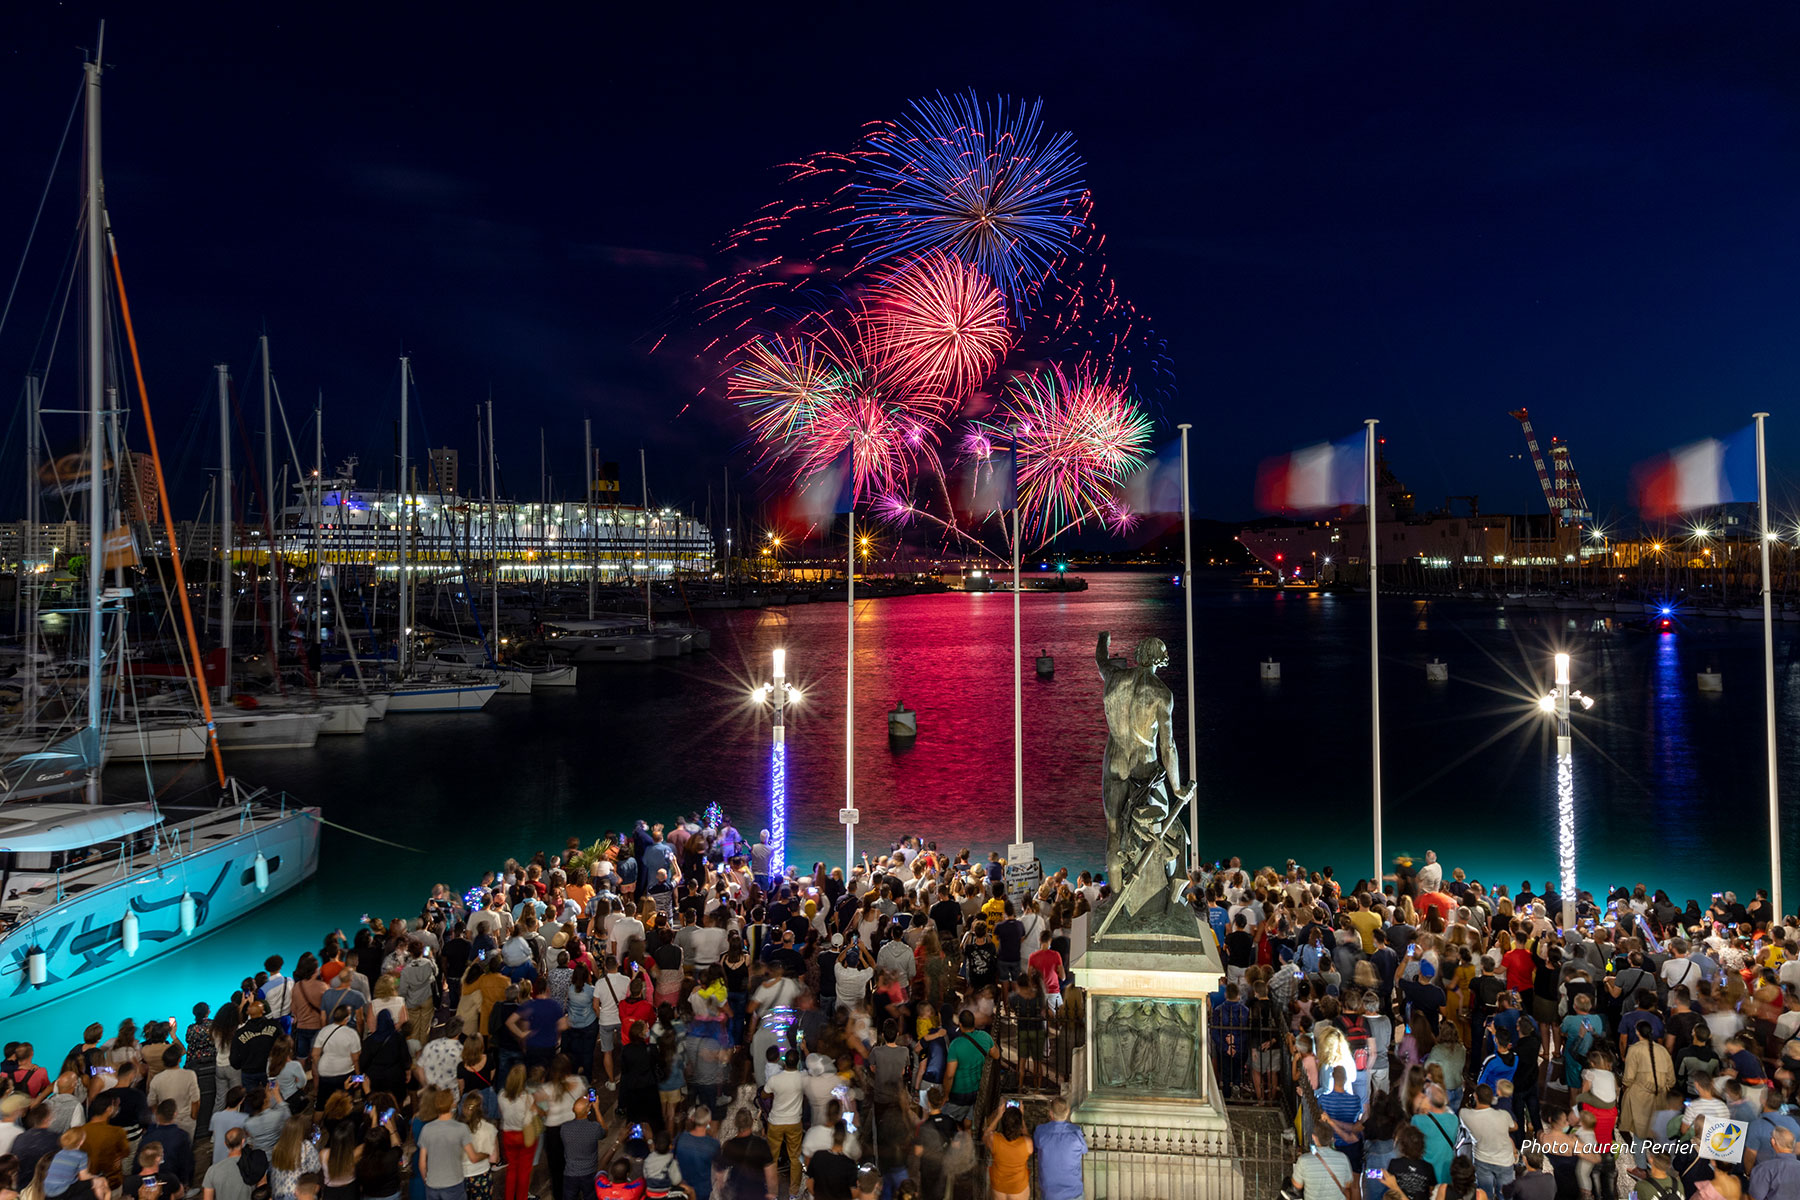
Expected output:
(534, 1128)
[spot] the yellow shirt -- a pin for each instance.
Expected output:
(993, 910)
(1366, 923)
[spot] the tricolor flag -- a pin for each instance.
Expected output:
(1707, 473)
(989, 479)
(1155, 487)
(828, 491)
(1328, 475)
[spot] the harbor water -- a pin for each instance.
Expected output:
(1669, 781)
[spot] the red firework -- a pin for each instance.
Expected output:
(936, 326)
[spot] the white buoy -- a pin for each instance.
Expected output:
(128, 933)
(1710, 680)
(1270, 669)
(261, 867)
(37, 969)
(903, 722)
(189, 913)
(1437, 672)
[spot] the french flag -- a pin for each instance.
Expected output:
(1328, 475)
(1707, 473)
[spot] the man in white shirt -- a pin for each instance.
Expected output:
(1492, 1130)
(609, 989)
(854, 971)
(710, 940)
(1431, 875)
(276, 991)
(788, 1089)
(623, 930)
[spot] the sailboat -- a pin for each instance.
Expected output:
(88, 890)
(424, 691)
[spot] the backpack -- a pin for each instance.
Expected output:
(1362, 1049)
(1583, 1042)
(253, 1169)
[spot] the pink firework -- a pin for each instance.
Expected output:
(784, 381)
(936, 325)
(815, 397)
(1077, 436)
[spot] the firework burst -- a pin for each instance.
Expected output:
(936, 326)
(1077, 436)
(986, 183)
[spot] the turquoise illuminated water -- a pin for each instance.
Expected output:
(1669, 781)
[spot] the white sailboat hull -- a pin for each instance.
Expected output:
(157, 741)
(81, 936)
(272, 729)
(442, 697)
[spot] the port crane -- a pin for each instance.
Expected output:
(1562, 486)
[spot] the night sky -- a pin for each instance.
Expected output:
(1425, 213)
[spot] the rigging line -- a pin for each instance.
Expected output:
(359, 833)
(42, 199)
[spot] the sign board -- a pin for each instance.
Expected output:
(1722, 1140)
(1021, 852)
(1023, 877)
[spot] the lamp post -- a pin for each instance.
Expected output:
(777, 695)
(1557, 704)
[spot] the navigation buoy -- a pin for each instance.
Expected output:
(262, 872)
(903, 723)
(1270, 669)
(1710, 680)
(1437, 672)
(128, 933)
(36, 968)
(1046, 666)
(189, 913)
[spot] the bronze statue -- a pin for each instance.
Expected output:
(1145, 839)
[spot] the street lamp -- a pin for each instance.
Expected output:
(778, 695)
(1557, 704)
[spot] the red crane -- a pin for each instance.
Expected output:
(1562, 486)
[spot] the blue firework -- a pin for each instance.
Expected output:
(986, 183)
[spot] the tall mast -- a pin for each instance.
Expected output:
(96, 397)
(318, 519)
(587, 506)
(493, 523)
(271, 494)
(28, 559)
(405, 521)
(649, 603)
(225, 531)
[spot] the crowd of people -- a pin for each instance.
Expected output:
(671, 1012)
(1449, 1041)
(667, 1013)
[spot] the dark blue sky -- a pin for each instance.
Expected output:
(1426, 213)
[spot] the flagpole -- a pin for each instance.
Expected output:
(1018, 700)
(1374, 650)
(849, 815)
(1187, 600)
(1762, 504)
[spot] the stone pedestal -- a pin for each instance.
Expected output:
(1151, 1109)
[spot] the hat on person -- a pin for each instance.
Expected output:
(14, 1104)
(1426, 970)
(837, 941)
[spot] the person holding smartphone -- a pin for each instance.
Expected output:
(1009, 1149)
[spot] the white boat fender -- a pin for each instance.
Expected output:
(262, 872)
(36, 967)
(128, 933)
(189, 913)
